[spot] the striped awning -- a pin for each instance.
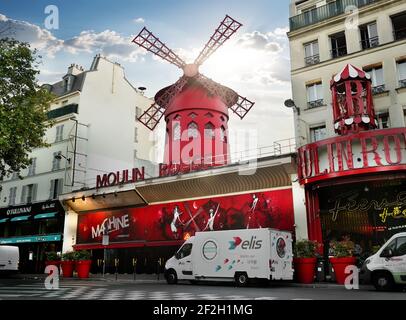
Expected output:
(45, 215)
(20, 218)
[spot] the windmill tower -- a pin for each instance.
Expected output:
(195, 107)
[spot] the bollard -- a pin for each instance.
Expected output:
(116, 261)
(134, 266)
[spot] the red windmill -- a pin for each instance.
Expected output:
(195, 107)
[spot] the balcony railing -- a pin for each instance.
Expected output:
(399, 34)
(338, 52)
(370, 43)
(315, 104)
(312, 60)
(402, 83)
(378, 89)
(325, 12)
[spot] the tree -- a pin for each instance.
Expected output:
(23, 106)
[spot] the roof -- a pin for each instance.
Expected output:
(350, 72)
(58, 88)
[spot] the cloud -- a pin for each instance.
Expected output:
(260, 41)
(38, 38)
(139, 20)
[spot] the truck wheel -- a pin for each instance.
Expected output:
(241, 279)
(171, 277)
(383, 281)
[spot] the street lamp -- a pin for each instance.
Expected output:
(289, 103)
(59, 156)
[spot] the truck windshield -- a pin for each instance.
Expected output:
(185, 251)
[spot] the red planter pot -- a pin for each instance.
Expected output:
(83, 268)
(305, 269)
(67, 268)
(339, 265)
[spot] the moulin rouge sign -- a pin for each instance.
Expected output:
(364, 152)
(120, 177)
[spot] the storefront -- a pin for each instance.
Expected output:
(146, 222)
(356, 187)
(36, 229)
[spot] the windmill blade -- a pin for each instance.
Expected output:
(147, 40)
(242, 107)
(226, 29)
(151, 117)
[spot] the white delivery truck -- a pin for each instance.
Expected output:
(9, 259)
(233, 255)
(387, 267)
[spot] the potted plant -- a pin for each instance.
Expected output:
(83, 263)
(52, 258)
(68, 264)
(305, 259)
(343, 256)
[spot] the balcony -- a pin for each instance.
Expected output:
(378, 89)
(370, 43)
(315, 104)
(399, 34)
(312, 60)
(325, 12)
(62, 111)
(338, 52)
(402, 83)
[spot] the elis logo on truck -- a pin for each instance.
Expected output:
(253, 243)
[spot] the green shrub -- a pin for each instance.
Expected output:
(306, 249)
(52, 256)
(82, 255)
(68, 256)
(341, 249)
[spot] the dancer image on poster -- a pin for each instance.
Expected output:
(210, 222)
(252, 210)
(176, 221)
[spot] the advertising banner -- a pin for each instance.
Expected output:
(177, 220)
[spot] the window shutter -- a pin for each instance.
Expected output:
(23, 194)
(51, 190)
(34, 192)
(60, 187)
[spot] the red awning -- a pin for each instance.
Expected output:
(133, 244)
(350, 71)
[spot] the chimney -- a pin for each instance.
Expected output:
(75, 69)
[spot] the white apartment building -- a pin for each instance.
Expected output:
(95, 131)
(326, 35)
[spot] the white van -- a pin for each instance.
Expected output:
(387, 267)
(9, 259)
(233, 255)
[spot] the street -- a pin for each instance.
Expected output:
(96, 289)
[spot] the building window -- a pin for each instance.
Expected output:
(12, 196)
(32, 167)
(401, 66)
(29, 193)
(59, 133)
(318, 133)
(14, 176)
(135, 134)
(376, 73)
(176, 131)
(369, 35)
(223, 136)
(383, 120)
(338, 45)
(311, 53)
(56, 188)
(56, 161)
(399, 26)
(209, 130)
(314, 95)
(192, 130)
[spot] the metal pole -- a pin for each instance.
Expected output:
(74, 152)
(104, 261)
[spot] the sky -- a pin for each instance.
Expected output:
(254, 62)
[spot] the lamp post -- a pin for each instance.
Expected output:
(289, 103)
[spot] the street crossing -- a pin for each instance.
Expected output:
(93, 290)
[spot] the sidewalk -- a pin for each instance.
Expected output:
(153, 278)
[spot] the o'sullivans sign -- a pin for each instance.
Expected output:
(360, 153)
(120, 177)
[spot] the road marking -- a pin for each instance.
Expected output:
(266, 298)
